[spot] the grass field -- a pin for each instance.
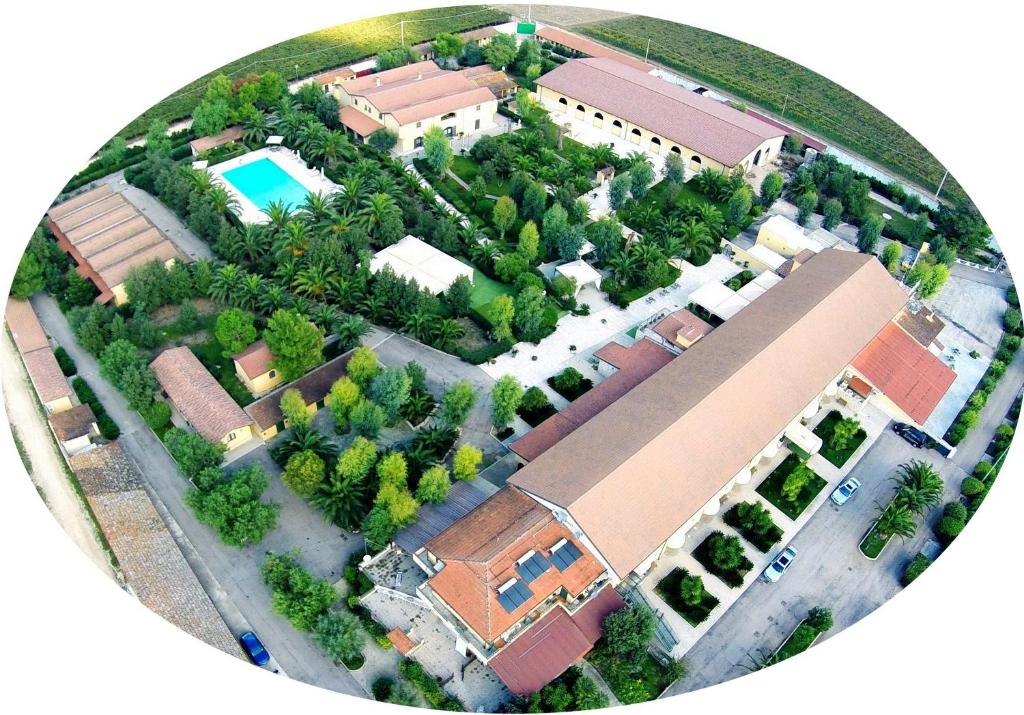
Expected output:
(322, 50)
(766, 79)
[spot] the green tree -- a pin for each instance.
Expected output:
(383, 139)
(296, 594)
(587, 695)
(447, 45)
(296, 344)
(628, 630)
(895, 520)
(378, 529)
(740, 203)
(459, 296)
(437, 151)
(500, 52)
(570, 242)
(340, 635)
(390, 390)
(820, 619)
(79, 291)
(192, 452)
(502, 316)
(618, 190)
(675, 169)
(434, 485)
(641, 176)
(466, 462)
(691, 590)
(527, 54)
(554, 226)
(726, 551)
(806, 205)
(303, 473)
(28, 278)
(528, 313)
(843, 433)
(367, 419)
(340, 400)
(534, 201)
(832, 214)
(293, 407)
(891, 256)
(232, 506)
(505, 398)
(363, 367)
(868, 233)
(456, 403)
(771, 188)
(800, 477)
(504, 214)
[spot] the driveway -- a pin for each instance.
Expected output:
(829, 571)
(230, 576)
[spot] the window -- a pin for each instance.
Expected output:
(532, 566)
(231, 437)
(449, 132)
(446, 117)
(513, 594)
(419, 124)
(476, 124)
(564, 554)
(272, 374)
(418, 142)
(380, 115)
(478, 107)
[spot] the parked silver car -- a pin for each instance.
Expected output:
(845, 491)
(779, 565)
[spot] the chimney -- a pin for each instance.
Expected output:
(419, 75)
(378, 81)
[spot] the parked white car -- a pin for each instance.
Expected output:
(779, 565)
(845, 491)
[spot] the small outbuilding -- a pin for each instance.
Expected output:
(581, 272)
(255, 370)
(412, 258)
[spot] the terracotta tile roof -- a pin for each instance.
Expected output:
(480, 33)
(495, 80)
(74, 423)
(923, 324)
(635, 364)
(682, 321)
(24, 326)
(591, 48)
(480, 553)
(314, 386)
(46, 375)
(742, 381)
(697, 123)
(338, 75)
(358, 122)
(229, 135)
(152, 563)
(432, 519)
(859, 386)
(197, 395)
(402, 642)
(107, 236)
(905, 372)
(552, 644)
(417, 91)
(808, 141)
(255, 359)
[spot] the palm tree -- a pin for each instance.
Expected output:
(366, 169)
(200, 180)
(603, 155)
(672, 247)
(895, 520)
(375, 211)
(350, 197)
(349, 329)
(698, 242)
(316, 206)
(636, 158)
(446, 333)
(290, 125)
(222, 201)
(255, 242)
(304, 439)
(226, 285)
(712, 218)
(295, 239)
(251, 291)
(323, 315)
(344, 501)
(920, 486)
(418, 407)
(279, 214)
(623, 266)
(482, 253)
(420, 325)
(256, 128)
(314, 280)
(334, 146)
(286, 270)
(273, 299)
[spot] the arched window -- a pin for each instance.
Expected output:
(450, 115)
(675, 150)
(617, 128)
(757, 157)
(580, 108)
(695, 163)
(656, 145)
(598, 115)
(634, 136)
(563, 104)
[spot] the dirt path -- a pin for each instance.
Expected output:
(48, 466)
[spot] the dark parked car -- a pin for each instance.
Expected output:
(912, 434)
(254, 648)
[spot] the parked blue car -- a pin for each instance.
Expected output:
(254, 648)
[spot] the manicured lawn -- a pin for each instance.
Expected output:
(631, 684)
(485, 290)
(733, 578)
(825, 430)
(771, 488)
(668, 589)
(223, 369)
(899, 224)
(467, 169)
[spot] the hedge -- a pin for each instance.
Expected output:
(427, 685)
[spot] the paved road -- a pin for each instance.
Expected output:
(1000, 280)
(829, 571)
(230, 576)
(972, 449)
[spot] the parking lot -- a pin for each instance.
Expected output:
(975, 307)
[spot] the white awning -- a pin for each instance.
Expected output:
(410, 258)
(275, 140)
(581, 272)
(803, 438)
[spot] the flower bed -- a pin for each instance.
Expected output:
(771, 488)
(668, 589)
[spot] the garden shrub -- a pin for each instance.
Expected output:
(67, 364)
(971, 487)
(107, 427)
(949, 528)
(157, 415)
(428, 687)
(915, 568)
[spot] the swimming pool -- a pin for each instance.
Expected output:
(263, 181)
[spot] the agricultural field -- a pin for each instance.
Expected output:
(766, 79)
(322, 50)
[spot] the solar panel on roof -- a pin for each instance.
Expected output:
(533, 567)
(514, 596)
(565, 556)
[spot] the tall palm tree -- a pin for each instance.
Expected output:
(375, 211)
(482, 253)
(350, 196)
(227, 283)
(347, 292)
(636, 158)
(344, 501)
(255, 242)
(895, 520)
(274, 298)
(324, 315)
(251, 291)
(200, 180)
(446, 333)
(623, 266)
(335, 146)
(316, 206)
(712, 218)
(313, 281)
(294, 239)
(256, 128)
(222, 201)
(698, 242)
(603, 155)
(349, 329)
(286, 270)
(920, 486)
(290, 125)
(279, 214)
(420, 325)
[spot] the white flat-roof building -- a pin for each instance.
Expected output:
(580, 271)
(412, 258)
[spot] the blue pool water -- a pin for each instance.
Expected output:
(263, 181)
